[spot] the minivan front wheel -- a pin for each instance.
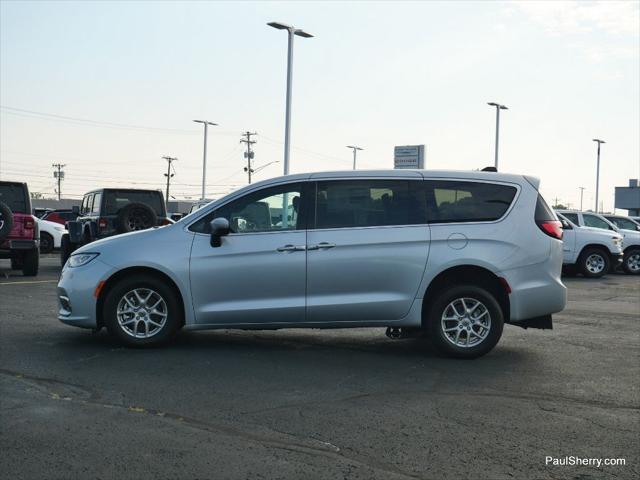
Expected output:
(465, 322)
(142, 311)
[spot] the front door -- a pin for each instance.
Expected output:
(257, 276)
(367, 251)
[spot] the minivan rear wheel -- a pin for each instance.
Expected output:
(594, 263)
(465, 322)
(142, 311)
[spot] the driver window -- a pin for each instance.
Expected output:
(271, 209)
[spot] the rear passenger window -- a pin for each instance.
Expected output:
(458, 201)
(363, 203)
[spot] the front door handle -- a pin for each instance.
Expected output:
(292, 248)
(324, 245)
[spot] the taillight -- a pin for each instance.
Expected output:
(102, 223)
(553, 228)
(166, 221)
(29, 223)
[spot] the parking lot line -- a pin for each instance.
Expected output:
(28, 281)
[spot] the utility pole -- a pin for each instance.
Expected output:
(249, 154)
(206, 124)
(355, 149)
(599, 142)
(498, 108)
(555, 202)
(59, 175)
(169, 175)
(581, 195)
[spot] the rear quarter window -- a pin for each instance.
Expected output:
(450, 201)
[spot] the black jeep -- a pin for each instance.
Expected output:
(111, 211)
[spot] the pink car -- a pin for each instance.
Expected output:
(19, 236)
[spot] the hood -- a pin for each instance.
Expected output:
(600, 231)
(122, 241)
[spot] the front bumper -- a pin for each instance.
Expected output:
(616, 259)
(76, 300)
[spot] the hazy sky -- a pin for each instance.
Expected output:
(377, 74)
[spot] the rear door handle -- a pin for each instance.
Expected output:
(292, 248)
(325, 245)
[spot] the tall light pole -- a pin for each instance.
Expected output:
(598, 141)
(498, 108)
(355, 150)
(581, 195)
(287, 123)
(206, 124)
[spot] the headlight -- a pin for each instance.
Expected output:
(80, 259)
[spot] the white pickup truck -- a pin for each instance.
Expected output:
(593, 251)
(631, 235)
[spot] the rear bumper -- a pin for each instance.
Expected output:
(9, 248)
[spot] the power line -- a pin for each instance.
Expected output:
(249, 154)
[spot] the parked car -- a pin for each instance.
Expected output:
(61, 216)
(112, 211)
(198, 205)
(19, 234)
(591, 250)
(50, 235)
(454, 255)
(40, 212)
(631, 237)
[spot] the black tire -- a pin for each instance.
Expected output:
(16, 263)
(135, 216)
(631, 261)
(486, 334)
(31, 262)
(46, 243)
(66, 249)
(594, 263)
(6, 221)
(144, 283)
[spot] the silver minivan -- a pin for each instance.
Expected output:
(451, 256)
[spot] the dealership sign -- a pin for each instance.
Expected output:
(408, 156)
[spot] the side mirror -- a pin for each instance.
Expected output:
(566, 225)
(75, 209)
(219, 229)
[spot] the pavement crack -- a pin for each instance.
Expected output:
(63, 391)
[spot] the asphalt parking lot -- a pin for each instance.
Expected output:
(318, 404)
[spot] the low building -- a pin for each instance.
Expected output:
(628, 198)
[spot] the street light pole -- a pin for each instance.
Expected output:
(598, 141)
(355, 150)
(498, 108)
(581, 195)
(287, 125)
(206, 124)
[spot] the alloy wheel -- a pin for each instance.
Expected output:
(595, 263)
(466, 322)
(633, 262)
(142, 313)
